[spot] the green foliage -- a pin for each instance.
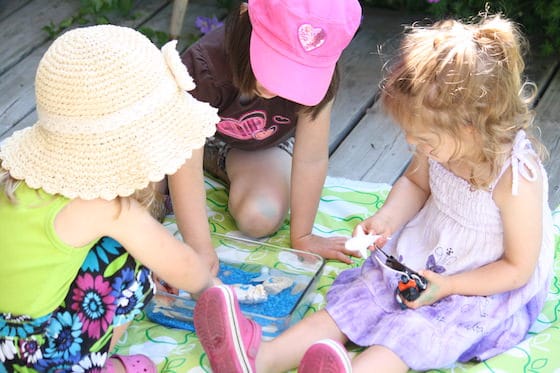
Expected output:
(539, 19)
(159, 38)
(227, 4)
(410, 5)
(95, 12)
(99, 12)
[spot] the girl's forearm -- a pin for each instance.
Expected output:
(494, 278)
(307, 185)
(189, 203)
(403, 202)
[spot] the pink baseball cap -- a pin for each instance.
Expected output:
(295, 44)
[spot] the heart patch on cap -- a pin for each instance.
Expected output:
(310, 37)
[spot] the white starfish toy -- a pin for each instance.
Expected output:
(275, 284)
(361, 241)
(250, 294)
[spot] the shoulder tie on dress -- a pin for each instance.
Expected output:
(522, 161)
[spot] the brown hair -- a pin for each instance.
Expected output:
(237, 43)
(455, 74)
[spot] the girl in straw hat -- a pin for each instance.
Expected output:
(271, 72)
(76, 234)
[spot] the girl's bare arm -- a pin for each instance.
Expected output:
(406, 198)
(522, 222)
(82, 222)
(309, 170)
(189, 205)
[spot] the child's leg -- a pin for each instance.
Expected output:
(233, 342)
(114, 364)
(259, 192)
(117, 334)
(379, 359)
(285, 352)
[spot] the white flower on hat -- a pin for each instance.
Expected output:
(178, 69)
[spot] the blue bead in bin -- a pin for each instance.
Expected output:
(245, 262)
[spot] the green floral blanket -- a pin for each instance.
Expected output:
(343, 204)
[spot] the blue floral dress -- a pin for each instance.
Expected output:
(110, 288)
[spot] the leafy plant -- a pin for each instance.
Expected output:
(540, 19)
(93, 12)
(410, 5)
(157, 37)
(98, 12)
(227, 4)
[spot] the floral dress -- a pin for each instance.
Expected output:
(457, 230)
(109, 290)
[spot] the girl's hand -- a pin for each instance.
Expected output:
(162, 286)
(376, 224)
(215, 281)
(211, 259)
(327, 247)
(438, 287)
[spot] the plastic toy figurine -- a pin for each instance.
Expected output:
(411, 284)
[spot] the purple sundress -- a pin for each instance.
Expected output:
(458, 229)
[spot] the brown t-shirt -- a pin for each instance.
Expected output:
(245, 124)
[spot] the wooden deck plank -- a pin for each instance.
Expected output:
(375, 150)
(160, 21)
(360, 69)
(17, 109)
(7, 8)
(22, 31)
(541, 70)
(548, 120)
(17, 106)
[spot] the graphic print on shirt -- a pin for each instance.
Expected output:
(251, 126)
(441, 258)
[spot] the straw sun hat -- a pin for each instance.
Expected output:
(113, 115)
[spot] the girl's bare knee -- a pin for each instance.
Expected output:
(380, 357)
(258, 218)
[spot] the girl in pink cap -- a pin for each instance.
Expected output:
(470, 215)
(271, 72)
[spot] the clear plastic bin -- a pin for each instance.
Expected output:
(247, 258)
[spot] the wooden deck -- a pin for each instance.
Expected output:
(365, 144)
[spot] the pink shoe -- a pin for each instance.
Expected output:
(230, 340)
(132, 363)
(325, 356)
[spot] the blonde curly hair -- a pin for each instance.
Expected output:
(454, 74)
